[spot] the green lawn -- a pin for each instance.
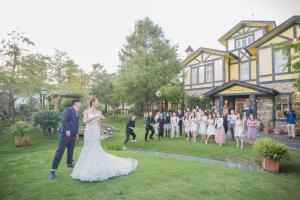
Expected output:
(23, 173)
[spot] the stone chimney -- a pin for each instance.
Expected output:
(189, 51)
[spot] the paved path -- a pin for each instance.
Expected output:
(283, 138)
(199, 159)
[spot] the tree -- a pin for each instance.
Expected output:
(61, 68)
(292, 51)
(148, 61)
(20, 70)
(102, 85)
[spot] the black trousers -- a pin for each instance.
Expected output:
(128, 133)
(180, 128)
(64, 142)
(147, 132)
(160, 134)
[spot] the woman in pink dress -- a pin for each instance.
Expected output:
(220, 132)
(252, 124)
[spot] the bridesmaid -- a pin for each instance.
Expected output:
(211, 127)
(239, 131)
(194, 126)
(252, 124)
(202, 126)
(187, 125)
(220, 133)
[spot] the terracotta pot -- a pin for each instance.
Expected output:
(277, 131)
(266, 130)
(270, 164)
(22, 141)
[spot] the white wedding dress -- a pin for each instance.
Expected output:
(94, 164)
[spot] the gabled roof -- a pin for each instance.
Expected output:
(286, 24)
(270, 25)
(260, 89)
(189, 48)
(207, 50)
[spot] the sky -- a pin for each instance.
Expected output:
(94, 31)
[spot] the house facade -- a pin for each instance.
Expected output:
(251, 75)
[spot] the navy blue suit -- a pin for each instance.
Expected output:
(70, 122)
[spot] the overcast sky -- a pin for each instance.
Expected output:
(94, 31)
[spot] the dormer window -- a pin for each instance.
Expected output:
(244, 42)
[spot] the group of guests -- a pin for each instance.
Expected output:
(197, 123)
(214, 124)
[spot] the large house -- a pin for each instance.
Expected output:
(251, 74)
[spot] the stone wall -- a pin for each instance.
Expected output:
(264, 105)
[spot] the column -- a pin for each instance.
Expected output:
(221, 104)
(252, 103)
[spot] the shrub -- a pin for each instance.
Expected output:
(271, 149)
(66, 102)
(21, 129)
(47, 120)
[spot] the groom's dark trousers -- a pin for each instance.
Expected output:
(70, 118)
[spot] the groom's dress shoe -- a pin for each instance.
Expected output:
(70, 165)
(51, 175)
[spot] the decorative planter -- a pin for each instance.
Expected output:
(277, 131)
(22, 141)
(270, 164)
(266, 130)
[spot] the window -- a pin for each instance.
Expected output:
(194, 76)
(280, 61)
(209, 73)
(282, 103)
(201, 74)
(244, 74)
(244, 42)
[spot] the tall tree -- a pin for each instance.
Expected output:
(148, 61)
(19, 69)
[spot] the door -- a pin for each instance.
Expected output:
(241, 104)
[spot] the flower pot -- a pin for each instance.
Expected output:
(266, 130)
(277, 131)
(22, 141)
(270, 164)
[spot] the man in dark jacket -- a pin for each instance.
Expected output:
(68, 134)
(290, 118)
(150, 123)
(130, 127)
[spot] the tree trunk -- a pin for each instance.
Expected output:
(11, 107)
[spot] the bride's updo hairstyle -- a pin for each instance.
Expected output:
(92, 100)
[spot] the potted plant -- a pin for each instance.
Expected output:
(277, 130)
(21, 131)
(267, 128)
(272, 153)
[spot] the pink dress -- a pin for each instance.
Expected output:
(220, 132)
(252, 129)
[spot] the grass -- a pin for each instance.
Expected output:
(23, 173)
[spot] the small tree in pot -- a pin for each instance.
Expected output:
(272, 153)
(21, 131)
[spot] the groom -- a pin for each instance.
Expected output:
(68, 134)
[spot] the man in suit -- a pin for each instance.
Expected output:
(67, 136)
(180, 116)
(150, 122)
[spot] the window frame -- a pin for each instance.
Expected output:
(281, 105)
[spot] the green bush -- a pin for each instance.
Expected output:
(66, 102)
(271, 149)
(21, 128)
(47, 120)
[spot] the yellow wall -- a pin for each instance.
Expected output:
(187, 76)
(202, 85)
(288, 33)
(265, 61)
(267, 78)
(253, 69)
(237, 89)
(285, 76)
(275, 40)
(226, 70)
(234, 72)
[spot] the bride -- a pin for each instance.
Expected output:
(94, 164)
